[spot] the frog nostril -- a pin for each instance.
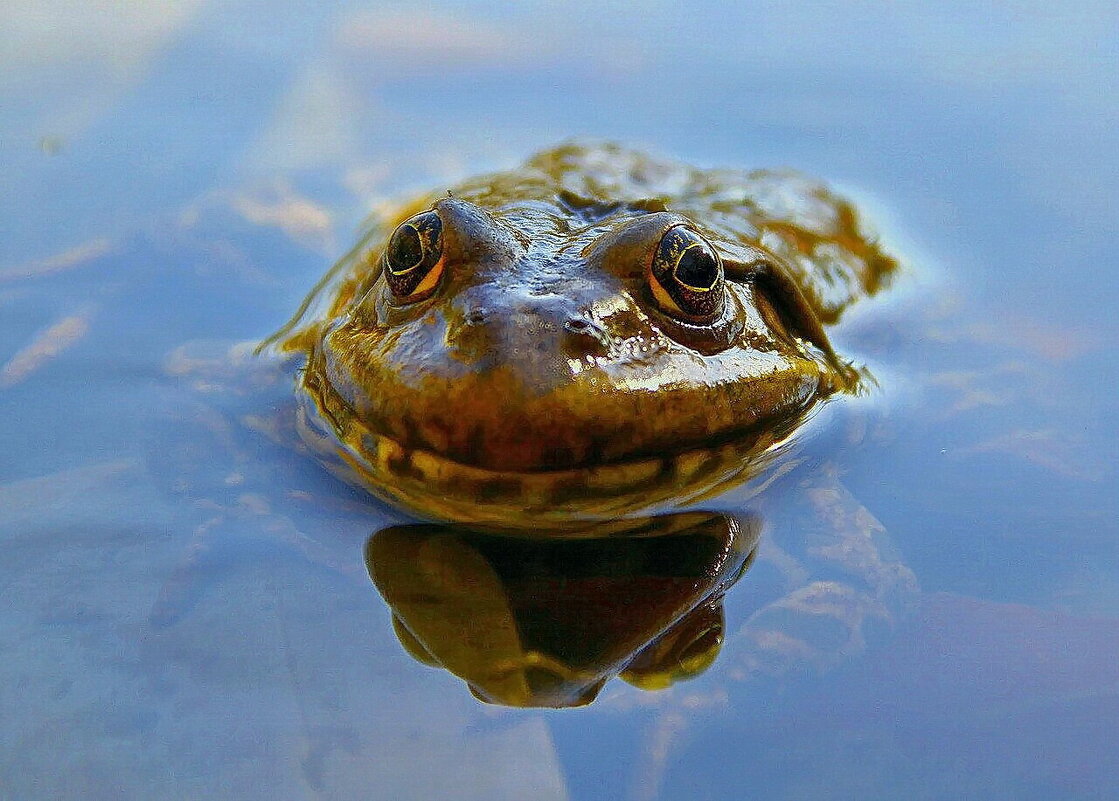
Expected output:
(585, 338)
(475, 317)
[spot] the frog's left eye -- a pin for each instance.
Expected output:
(414, 257)
(686, 276)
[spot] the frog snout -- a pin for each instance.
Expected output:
(546, 335)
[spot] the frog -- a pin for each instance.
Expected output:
(593, 335)
(572, 352)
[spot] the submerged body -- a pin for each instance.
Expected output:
(594, 333)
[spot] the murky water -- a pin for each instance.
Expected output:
(186, 608)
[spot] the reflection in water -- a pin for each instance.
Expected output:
(549, 622)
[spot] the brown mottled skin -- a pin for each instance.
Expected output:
(541, 374)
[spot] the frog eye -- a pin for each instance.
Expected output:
(686, 276)
(414, 257)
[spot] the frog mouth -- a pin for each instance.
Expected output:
(432, 485)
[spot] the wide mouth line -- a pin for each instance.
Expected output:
(378, 455)
(746, 436)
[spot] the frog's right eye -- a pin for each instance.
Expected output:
(413, 258)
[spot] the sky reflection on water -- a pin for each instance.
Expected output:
(183, 172)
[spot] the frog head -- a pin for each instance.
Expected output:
(518, 349)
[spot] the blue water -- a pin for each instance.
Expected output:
(184, 610)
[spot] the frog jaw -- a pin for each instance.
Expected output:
(571, 500)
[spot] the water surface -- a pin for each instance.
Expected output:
(186, 610)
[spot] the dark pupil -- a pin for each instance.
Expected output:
(697, 268)
(405, 249)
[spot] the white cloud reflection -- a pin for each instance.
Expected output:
(426, 38)
(279, 206)
(70, 59)
(317, 122)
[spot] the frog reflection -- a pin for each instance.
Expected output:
(547, 622)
